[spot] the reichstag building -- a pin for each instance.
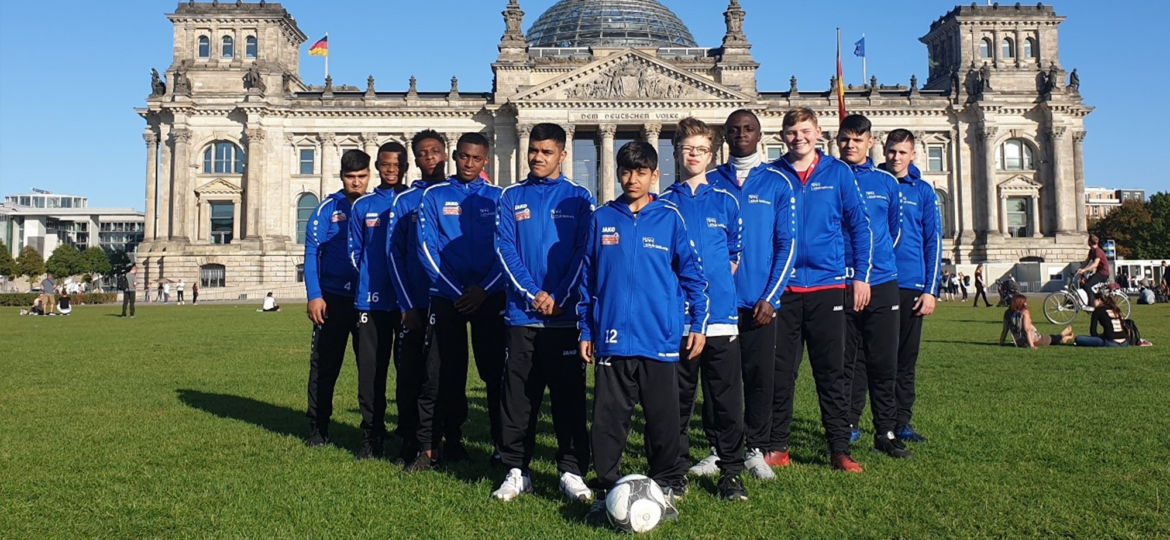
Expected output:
(240, 150)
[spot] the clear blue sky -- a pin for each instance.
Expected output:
(72, 72)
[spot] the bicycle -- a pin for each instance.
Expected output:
(1062, 307)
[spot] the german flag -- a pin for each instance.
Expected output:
(321, 47)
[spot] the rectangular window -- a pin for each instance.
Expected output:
(250, 47)
(1017, 216)
(300, 273)
(934, 157)
(585, 168)
(222, 221)
(212, 276)
(774, 153)
(667, 167)
(308, 160)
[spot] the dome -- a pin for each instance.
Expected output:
(609, 23)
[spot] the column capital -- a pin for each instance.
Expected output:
(150, 137)
(327, 137)
(369, 138)
(1058, 132)
(570, 130)
(254, 135)
(989, 133)
(1079, 136)
(181, 135)
(524, 129)
(607, 130)
(651, 130)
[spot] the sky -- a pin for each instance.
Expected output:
(69, 83)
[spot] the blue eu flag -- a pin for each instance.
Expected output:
(859, 48)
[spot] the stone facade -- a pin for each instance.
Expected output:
(999, 123)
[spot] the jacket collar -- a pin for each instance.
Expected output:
(622, 206)
(867, 166)
(473, 185)
(532, 179)
(913, 175)
(681, 187)
(423, 184)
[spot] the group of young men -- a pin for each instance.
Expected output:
(722, 280)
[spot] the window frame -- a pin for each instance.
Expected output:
(986, 48)
(223, 157)
(1021, 231)
(301, 161)
(212, 276)
(1026, 157)
(1007, 48)
(302, 224)
(203, 47)
(942, 158)
(251, 47)
(1031, 48)
(227, 47)
(221, 236)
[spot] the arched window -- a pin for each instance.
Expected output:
(306, 204)
(212, 276)
(229, 47)
(985, 48)
(204, 47)
(223, 157)
(1014, 155)
(1031, 49)
(250, 47)
(1009, 48)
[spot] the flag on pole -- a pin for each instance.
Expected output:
(840, 82)
(859, 47)
(321, 47)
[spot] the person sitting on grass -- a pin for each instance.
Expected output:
(270, 303)
(37, 308)
(1108, 316)
(64, 305)
(1018, 321)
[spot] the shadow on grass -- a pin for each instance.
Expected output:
(274, 418)
(957, 342)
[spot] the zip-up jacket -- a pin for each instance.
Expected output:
(919, 249)
(829, 202)
(715, 228)
(634, 267)
(410, 279)
(368, 225)
(456, 237)
(327, 266)
(883, 205)
(767, 206)
(541, 229)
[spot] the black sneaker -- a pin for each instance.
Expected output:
(454, 451)
(731, 488)
(407, 454)
(889, 445)
(597, 515)
(422, 462)
(371, 449)
(318, 436)
(678, 489)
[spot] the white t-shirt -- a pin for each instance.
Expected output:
(269, 302)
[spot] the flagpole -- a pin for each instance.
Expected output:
(864, 69)
(326, 55)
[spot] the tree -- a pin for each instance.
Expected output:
(119, 262)
(30, 263)
(95, 261)
(65, 261)
(1139, 228)
(7, 263)
(1159, 206)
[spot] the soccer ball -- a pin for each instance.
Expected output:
(635, 504)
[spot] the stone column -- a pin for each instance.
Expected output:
(166, 176)
(605, 188)
(1002, 207)
(452, 141)
(329, 170)
(523, 131)
(253, 187)
(237, 210)
(567, 166)
(413, 171)
(650, 134)
(830, 143)
(370, 146)
(1035, 216)
(1079, 176)
(996, 52)
(180, 220)
(922, 156)
(991, 197)
(1019, 48)
(151, 184)
(1065, 210)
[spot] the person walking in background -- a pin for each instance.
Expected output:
(963, 282)
(158, 295)
(980, 287)
(128, 284)
(194, 293)
(179, 292)
(166, 292)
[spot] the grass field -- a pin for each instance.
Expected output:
(187, 421)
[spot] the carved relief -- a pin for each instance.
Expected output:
(630, 81)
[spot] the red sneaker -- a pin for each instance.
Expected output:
(844, 462)
(777, 458)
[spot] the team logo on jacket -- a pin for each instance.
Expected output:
(372, 220)
(451, 208)
(521, 212)
(338, 216)
(649, 243)
(609, 236)
(754, 198)
(713, 223)
(557, 213)
(817, 186)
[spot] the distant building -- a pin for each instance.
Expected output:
(1099, 201)
(46, 220)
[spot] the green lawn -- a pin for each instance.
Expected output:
(187, 421)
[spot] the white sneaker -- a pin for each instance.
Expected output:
(573, 486)
(756, 466)
(708, 466)
(513, 485)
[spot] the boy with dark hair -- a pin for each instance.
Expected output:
(411, 286)
(541, 230)
(918, 252)
(871, 333)
(713, 222)
(828, 200)
(377, 308)
(768, 210)
(637, 260)
(330, 280)
(456, 225)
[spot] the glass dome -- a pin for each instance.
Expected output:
(609, 23)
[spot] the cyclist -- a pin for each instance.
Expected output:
(1095, 264)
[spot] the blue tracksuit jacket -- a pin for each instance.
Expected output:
(327, 266)
(368, 250)
(827, 203)
(713, 222)
(767, 206)
(410, 279)
(456, 236)
(883, 205)
(541, 230)
(919, 249)
(634, 267)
